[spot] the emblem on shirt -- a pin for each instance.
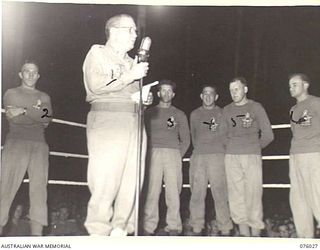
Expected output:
(304, 120)
(37, 106)
(171, 122)
(212, 125)
(247, 120)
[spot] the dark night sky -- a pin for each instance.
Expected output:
(191, 45)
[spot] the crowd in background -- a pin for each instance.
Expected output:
(66, 218)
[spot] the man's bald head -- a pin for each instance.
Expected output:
(118, 21)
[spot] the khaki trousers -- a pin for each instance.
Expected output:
(305, 192)
(112, 147)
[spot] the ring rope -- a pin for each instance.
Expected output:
(77, 124)
(68, 155)
(79, 183)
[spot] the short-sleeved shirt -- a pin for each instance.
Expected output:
(103, 71)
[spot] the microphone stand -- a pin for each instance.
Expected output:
(143, 55)
(139, 158)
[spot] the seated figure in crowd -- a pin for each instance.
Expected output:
(63, 224)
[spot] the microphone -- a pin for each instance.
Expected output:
(143, 52)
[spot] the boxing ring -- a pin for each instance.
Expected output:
(82, 156)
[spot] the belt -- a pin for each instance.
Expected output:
(115, 107)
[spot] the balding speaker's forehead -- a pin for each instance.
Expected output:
(120, 21)
(126, 22)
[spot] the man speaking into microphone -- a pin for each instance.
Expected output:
(110, 78)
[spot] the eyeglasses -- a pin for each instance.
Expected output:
(131, 29)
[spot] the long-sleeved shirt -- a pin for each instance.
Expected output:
(105, 75)
(248, 128)
(206, 131)
(29, 126)
(305, 126)
(167, 128)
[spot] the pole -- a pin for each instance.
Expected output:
(238, 42)
(141, 27)
(139, 159)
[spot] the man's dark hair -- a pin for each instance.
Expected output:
(302, 76)
(240, 79)
(30, 61)
(167, 82)
(208, 85)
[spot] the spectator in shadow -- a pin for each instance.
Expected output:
(283, 231)
(64, 225)
(18, 224)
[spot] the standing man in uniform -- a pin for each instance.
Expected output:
(110, 78)
(29, 112)
(248, 131)
(169, 139)
(304, 156)
(207, 163)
